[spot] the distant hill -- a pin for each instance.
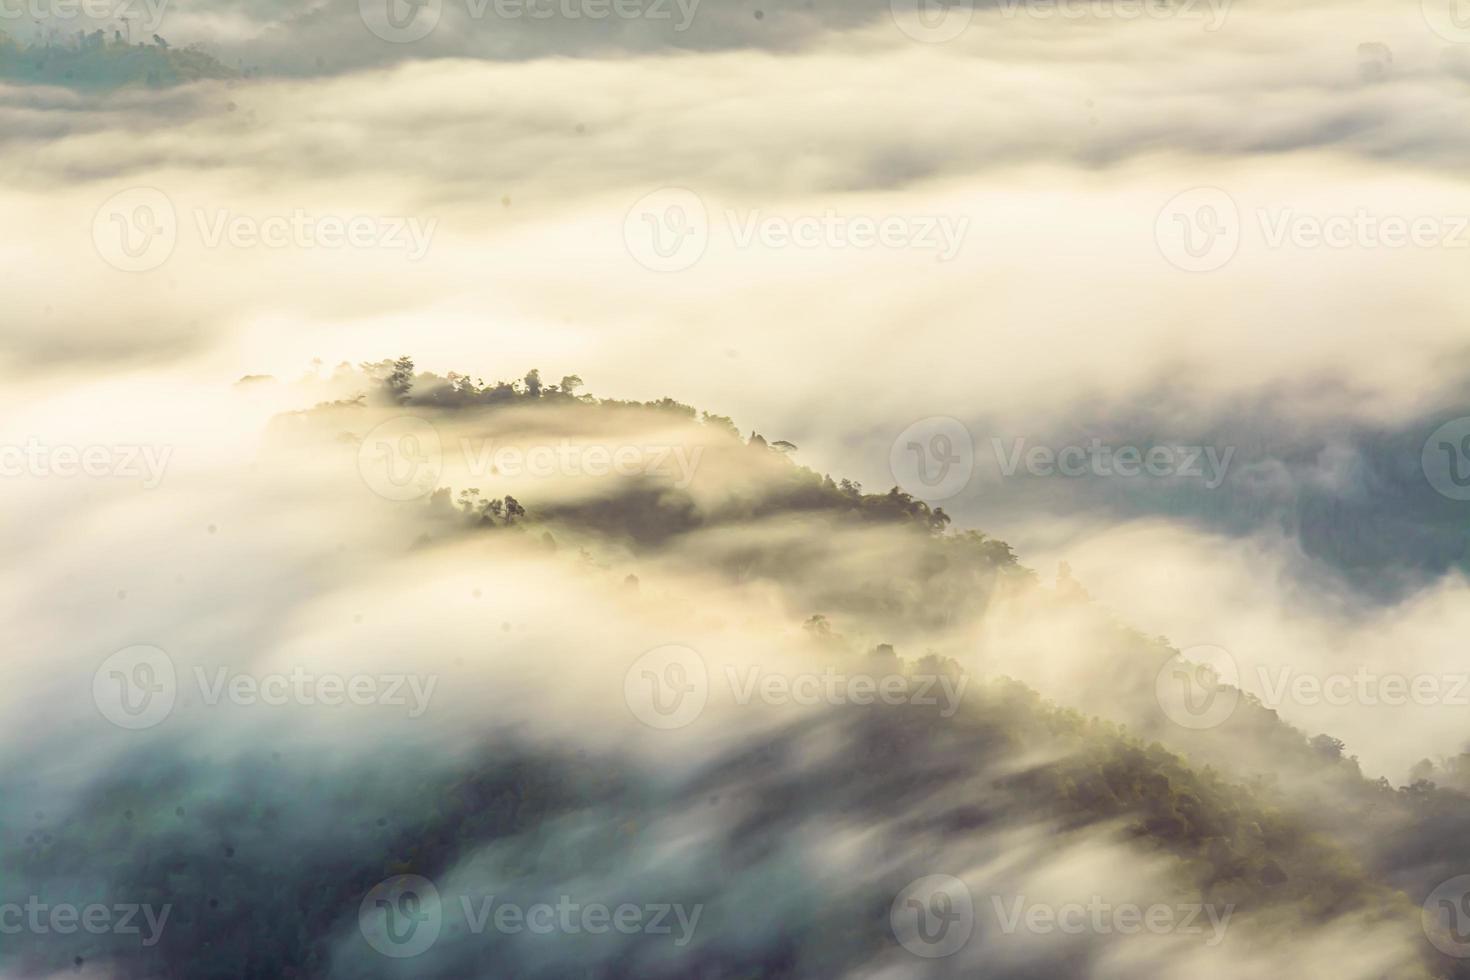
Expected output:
(91, 61)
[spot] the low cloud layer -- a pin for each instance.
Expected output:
(1231, 229)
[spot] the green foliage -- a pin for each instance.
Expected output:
(477, 511)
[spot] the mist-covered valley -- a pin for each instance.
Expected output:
(993, 500)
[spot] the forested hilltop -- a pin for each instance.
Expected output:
(1039, 766)
(97, 60)
(1254, 808)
